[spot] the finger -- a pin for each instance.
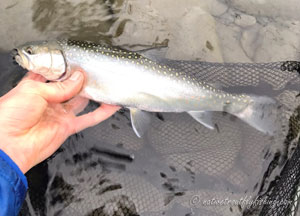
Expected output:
(61, 91)
(56, 92)
(76, 105)
(93, 118)
(34, 76)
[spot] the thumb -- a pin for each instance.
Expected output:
(58, 92)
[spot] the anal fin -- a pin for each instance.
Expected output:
(140, 121)
(203, 117)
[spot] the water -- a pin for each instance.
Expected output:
(107, 170)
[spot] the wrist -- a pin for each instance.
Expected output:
(17, 158)
(14, 167)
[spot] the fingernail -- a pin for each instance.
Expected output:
(76, 76)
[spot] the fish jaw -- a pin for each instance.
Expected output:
(22, 60)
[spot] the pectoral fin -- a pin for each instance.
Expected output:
(140, 121)
(203, 117)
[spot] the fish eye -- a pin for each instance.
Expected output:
(29, 50)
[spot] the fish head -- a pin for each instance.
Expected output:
(43, 57)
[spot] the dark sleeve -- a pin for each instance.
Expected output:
(13, 186)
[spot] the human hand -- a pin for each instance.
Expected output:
(34, 121)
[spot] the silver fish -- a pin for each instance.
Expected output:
(142, 82)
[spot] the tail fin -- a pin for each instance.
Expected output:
(262, 114)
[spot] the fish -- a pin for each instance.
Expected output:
(143, 82)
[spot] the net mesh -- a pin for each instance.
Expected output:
(179, 167)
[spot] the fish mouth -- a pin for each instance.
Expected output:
(19, 59)
(14, 55)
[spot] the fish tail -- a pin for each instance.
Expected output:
(262, 114)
